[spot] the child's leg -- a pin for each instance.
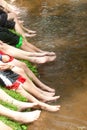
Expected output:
(18, 27)
(41, 105)
(9, 50)
(31, 75)
(49, 92)
(28, 30)
(19, 104)
(22, 117)
(20, 54)
(38, 82)
(30, 47)
(31, 88)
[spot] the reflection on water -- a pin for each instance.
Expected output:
(61, 27)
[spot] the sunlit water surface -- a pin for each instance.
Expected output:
(61, 27)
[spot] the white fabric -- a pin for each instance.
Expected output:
(6, 81)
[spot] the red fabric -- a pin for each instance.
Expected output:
(10, 57)
(21, 79)
(16, 84)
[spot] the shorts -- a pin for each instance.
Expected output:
(4, 22)
(20, 42)
(10, 24)
(10, 79)
(10, 37)
(10, 57)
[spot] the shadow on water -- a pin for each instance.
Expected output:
(61, 27)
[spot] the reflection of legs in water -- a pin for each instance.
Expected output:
(19, 104)
(42, 105)
(31, 75)
(34, 57)
(29, 86)
(22, 117)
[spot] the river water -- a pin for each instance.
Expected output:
(61, 27)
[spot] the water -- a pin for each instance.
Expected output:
(61, 27)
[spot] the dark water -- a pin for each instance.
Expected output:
(61, 27)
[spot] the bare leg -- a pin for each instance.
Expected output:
(19, 104)
(42, 105)
(22, 117)
(28, 72)
(19, 28)
(28, 30)
(27, 46)
(20, 54)
(31, 88)
(32, 75)
(6, 5)
(45, 90)
(30, 47)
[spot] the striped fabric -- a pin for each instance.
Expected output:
(10, 79)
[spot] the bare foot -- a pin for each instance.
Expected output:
(50, 53)
(42, 60)
(29, 35)
(50, 58)
(45, 53)
(21, 21)
(48, 107)
(27, 117)
(49, 94)
(22, 117)
(24, 105)
(48, 89)
(30, 31)
(53, 108)
(51, 99)
(39, 54)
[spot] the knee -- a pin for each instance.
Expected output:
(23, 65)
(19, 70)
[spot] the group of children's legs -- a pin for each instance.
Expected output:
(33, 89)
(34, 57)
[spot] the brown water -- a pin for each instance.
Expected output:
(61, 26)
